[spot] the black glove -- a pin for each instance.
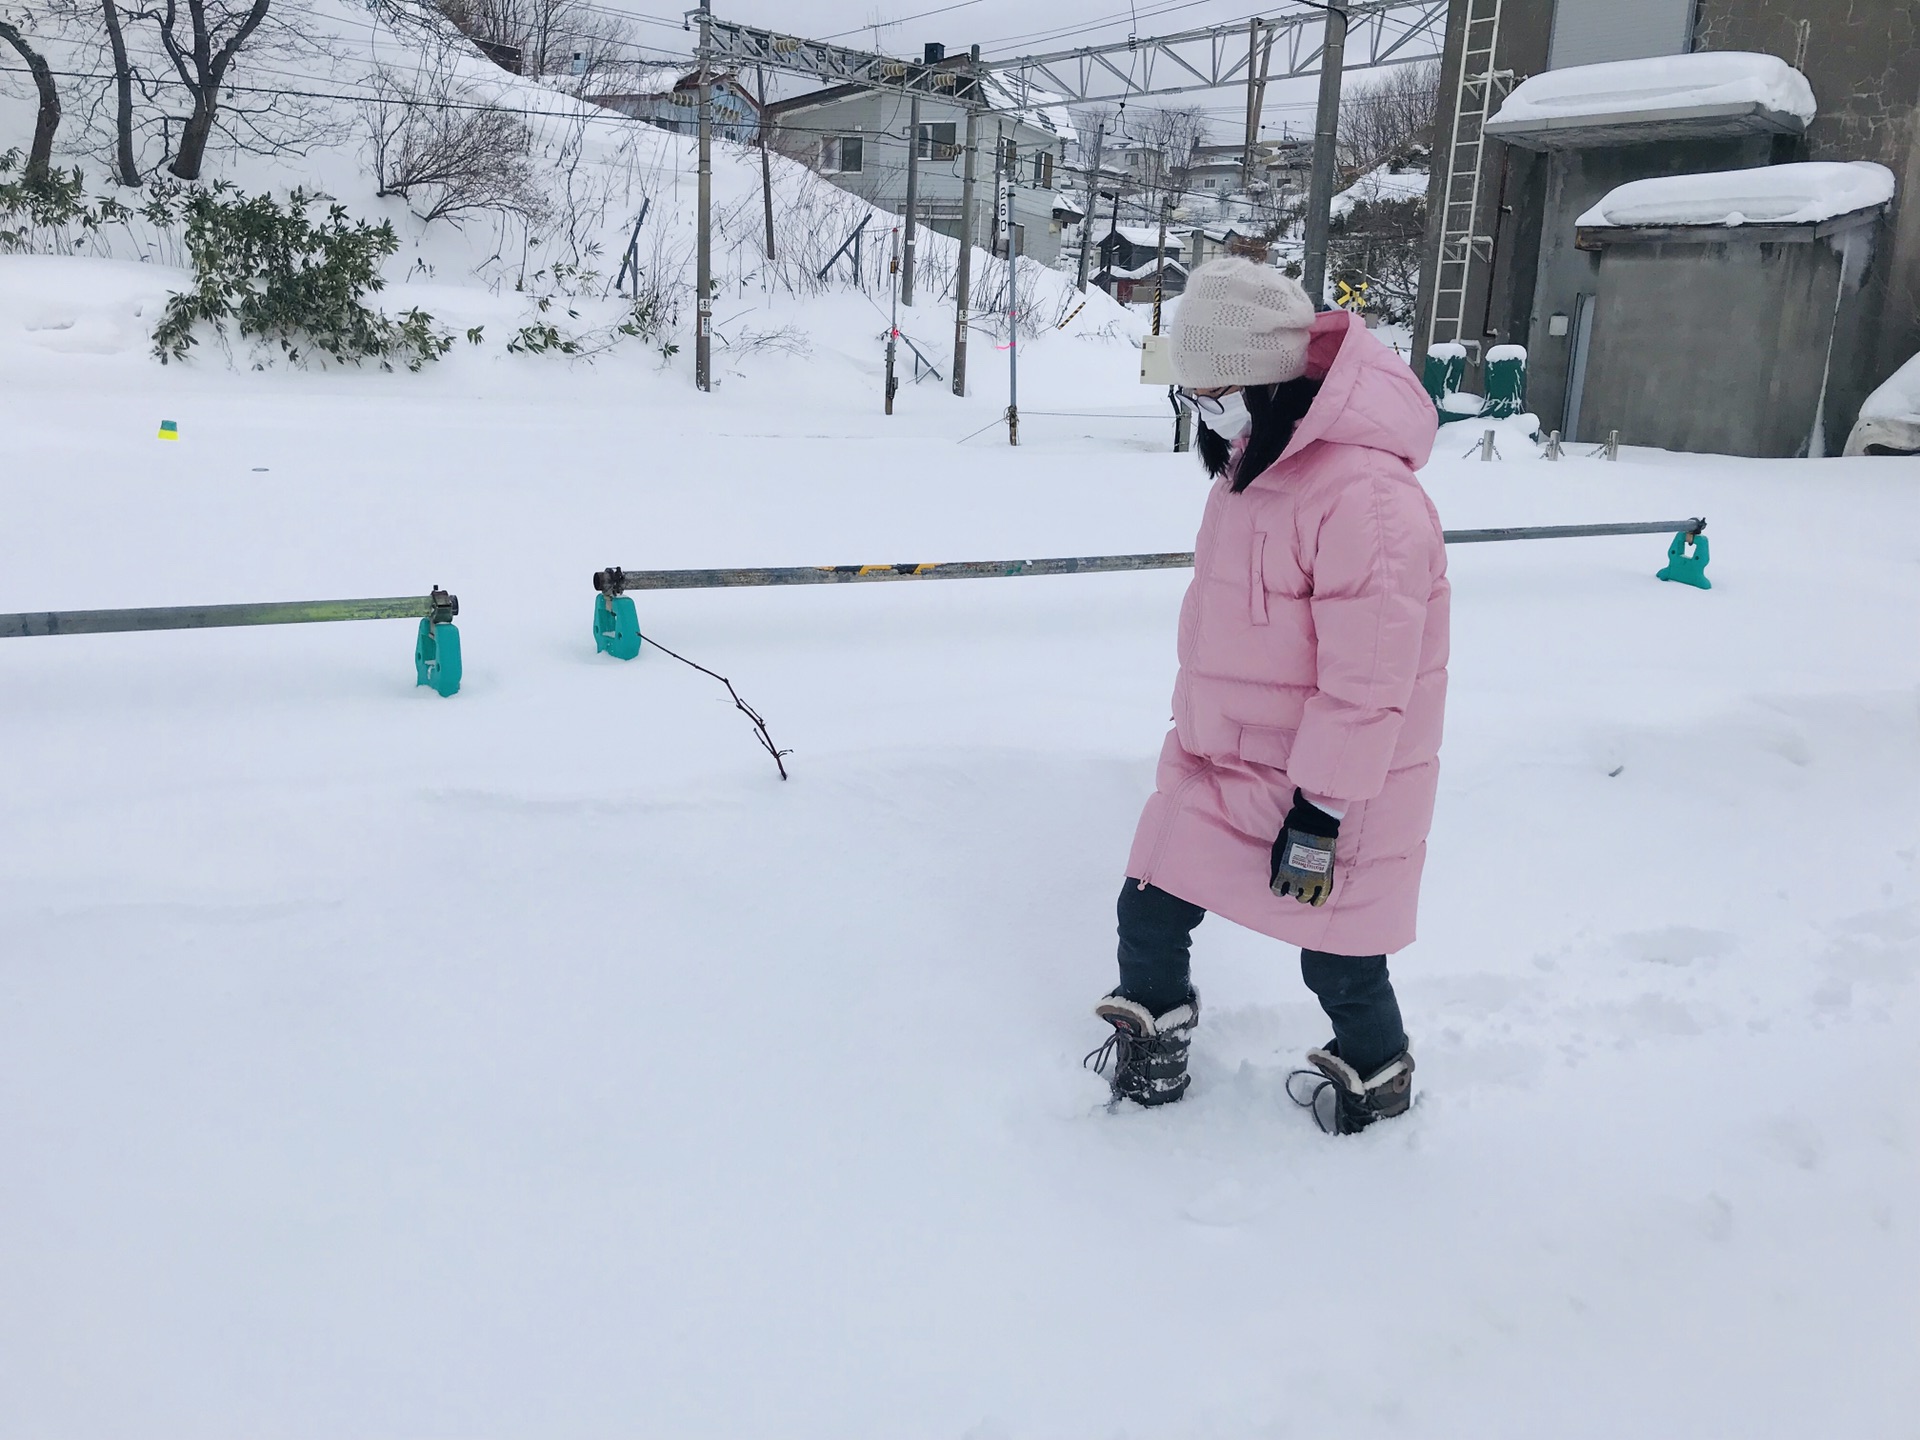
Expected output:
(1303, 855)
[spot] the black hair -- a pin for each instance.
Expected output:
(1276, 410)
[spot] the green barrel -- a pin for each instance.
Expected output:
(1506, 381)
(1445, 370)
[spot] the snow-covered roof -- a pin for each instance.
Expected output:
(1381, 185)
(1708, 93)
(1804, 194)
(1141, 272)
(658, 80)
(1147, 235)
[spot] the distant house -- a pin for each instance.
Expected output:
(1133, 266)
(1212, 242)
(857, 138)
(1217, 171)
(670, 98)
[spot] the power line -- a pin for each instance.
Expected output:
(885, 24)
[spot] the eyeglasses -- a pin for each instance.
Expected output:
(1199, 404)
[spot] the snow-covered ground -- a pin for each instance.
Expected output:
(535, 1062)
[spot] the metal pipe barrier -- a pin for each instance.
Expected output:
(436, 652)
(614, 582)
(616, 620)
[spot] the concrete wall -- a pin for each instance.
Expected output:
(1526, 30)
(1863, 59)
(881, 121)
(1572, 183)
(1720, 346)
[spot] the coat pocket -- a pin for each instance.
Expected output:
(1267, 745)
(1257, 577)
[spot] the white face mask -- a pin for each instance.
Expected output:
(1232, 421)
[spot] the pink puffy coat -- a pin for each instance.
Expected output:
(1313, 653)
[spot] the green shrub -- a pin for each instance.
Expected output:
(285, 278)
(42, 214)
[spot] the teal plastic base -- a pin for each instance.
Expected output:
(436, 656)
(616, 627)
(1687, 561)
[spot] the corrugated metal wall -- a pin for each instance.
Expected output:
(1586, 32)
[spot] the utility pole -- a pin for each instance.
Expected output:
(1093, 200)
(1253, 104)
(893, 325)
(703, 254)
(1333, 55)
(913, 197)
(766, 165)
(1160, 262)
(963, 277)
(1013, 317)
(1257, 102)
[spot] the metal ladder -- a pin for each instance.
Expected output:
(1473, 103)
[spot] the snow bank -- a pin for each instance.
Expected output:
(1622, 90)
(1382, 185)
(1890, 420)
(1804, 194)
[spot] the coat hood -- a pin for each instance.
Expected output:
(1368, 395)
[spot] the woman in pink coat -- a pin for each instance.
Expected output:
(1297, 785)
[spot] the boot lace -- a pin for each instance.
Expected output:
(1318, 1085)
(1117, 1052)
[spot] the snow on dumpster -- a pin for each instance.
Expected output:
(1810, 193)
(1889, 422)
(1699, 95)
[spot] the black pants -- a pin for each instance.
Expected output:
(1156, 939)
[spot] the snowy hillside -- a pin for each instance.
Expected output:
(593, 173)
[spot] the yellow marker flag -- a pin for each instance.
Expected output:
(169, 430)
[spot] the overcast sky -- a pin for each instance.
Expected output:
(1001, 28)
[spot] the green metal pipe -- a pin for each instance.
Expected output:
(615, 581)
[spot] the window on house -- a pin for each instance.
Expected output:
(1043, 169)
(939, 141)
(842, 154)
(1009, 156)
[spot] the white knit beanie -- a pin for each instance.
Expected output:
(1239, 323)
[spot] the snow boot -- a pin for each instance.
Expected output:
(1355, 1102)
(1147, 1052)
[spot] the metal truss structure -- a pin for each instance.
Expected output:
(1380, 32)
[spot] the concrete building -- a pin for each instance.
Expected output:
(1592, 314)
(857, 138)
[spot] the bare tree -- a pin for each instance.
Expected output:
(547, 35)
(47, 120)
(1170, 136)
(439, 137)
(1393, 120)
(201, 50)
(126, 166)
